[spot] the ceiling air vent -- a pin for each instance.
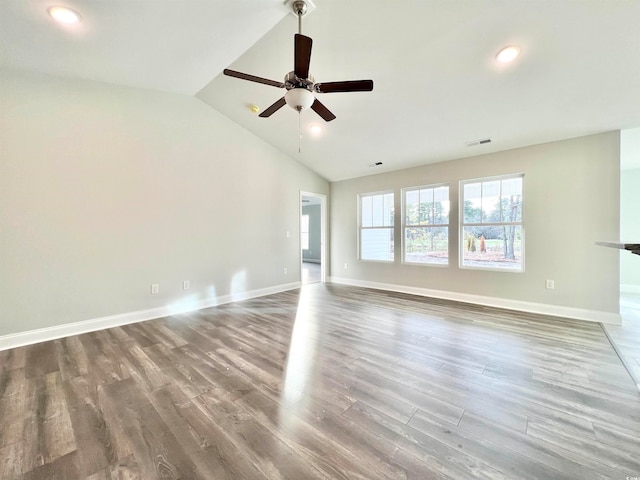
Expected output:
(473, 143)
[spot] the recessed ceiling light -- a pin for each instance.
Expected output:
(508, 54)
(64, 15)
(315, 129)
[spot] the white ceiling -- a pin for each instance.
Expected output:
(437, 85)
(170, 45)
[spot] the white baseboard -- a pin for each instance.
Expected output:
(629, 288)
(530, 307)
(59, 331)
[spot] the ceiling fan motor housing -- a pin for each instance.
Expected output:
(292, 81)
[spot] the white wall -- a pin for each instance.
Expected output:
(571, 201)
(105, 190)
(630, 207)
(630, 229)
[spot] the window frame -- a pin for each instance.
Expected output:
(404, 226)
(390, 227)
(462, 224)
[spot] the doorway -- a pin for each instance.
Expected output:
(312, 237)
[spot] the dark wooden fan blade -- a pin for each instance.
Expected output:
(252, 78)
(273, 108)
(323, 111)
(347, 86)
(302, 54)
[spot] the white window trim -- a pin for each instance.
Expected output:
(403, 225)
(360, 227)
(461, 239)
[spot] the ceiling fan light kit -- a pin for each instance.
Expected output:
(299, 98)
(300, 85)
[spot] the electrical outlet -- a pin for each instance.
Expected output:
(288, 234)
(346, 266)
(155, 288)
(550, 284)
(284, 270)
(185, 284)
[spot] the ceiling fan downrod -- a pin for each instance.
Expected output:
(299, 8)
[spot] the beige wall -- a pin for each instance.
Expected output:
(105, 190)
(571, 201)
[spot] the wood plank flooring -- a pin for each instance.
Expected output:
(627, 336)
(311, 273)
(326, 382)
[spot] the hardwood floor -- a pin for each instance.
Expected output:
(326, 382)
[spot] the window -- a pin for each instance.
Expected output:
(376, 226)
(492, 227)
(304, 232)
(426, 225)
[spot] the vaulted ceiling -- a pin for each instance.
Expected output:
(437, 83)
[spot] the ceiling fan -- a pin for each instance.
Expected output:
(301, 87)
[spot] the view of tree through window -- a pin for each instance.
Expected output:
(376, 227)
(492, 227)
(426, 225)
